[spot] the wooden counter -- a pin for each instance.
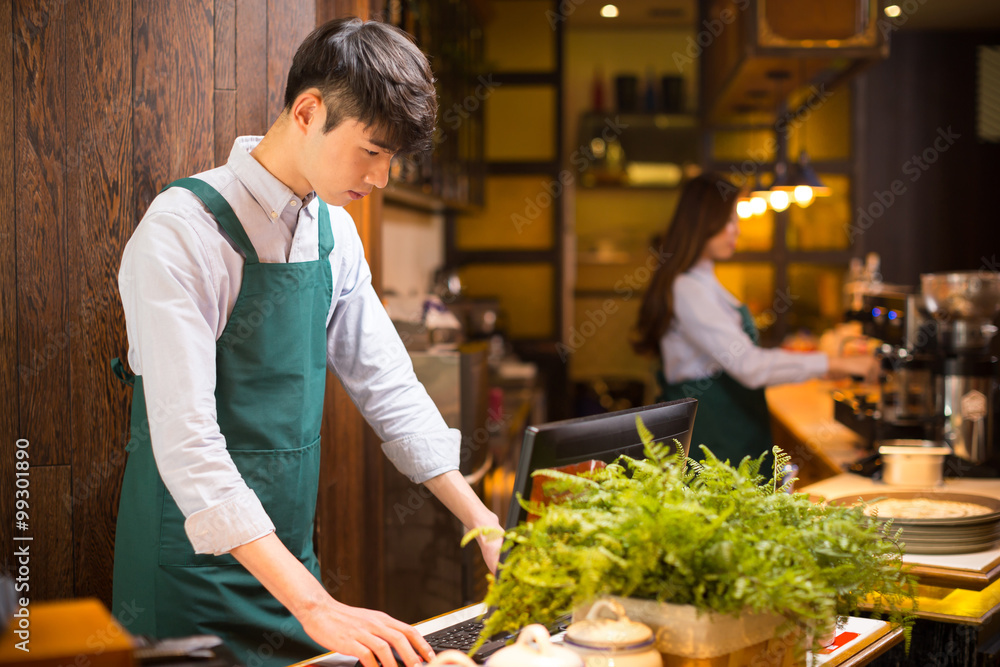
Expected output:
(958, 599)
(802, 424)
(872, 642)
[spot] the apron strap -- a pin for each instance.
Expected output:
(118, 368)
(222, 211)
(325, 231)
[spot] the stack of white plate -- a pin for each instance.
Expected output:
(936, 523)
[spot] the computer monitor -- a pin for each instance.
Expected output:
(602, 437)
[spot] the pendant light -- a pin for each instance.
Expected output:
(775, 196)
(756, 200)
(803, 184)
(778, 197)
(807, 183)
(759, 196)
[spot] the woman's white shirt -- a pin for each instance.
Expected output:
(706, 337)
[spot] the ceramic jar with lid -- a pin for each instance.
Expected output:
(534, 648)
(452, 657)
(607, 638)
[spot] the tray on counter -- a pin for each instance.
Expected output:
(952, 534)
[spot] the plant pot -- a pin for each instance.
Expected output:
(686, 638)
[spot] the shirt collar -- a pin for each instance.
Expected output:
(272, 195)
(703, 267)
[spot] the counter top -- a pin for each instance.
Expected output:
(972, 571)
(802, 424)
(806, 410)
(959, 588)
(874, 638)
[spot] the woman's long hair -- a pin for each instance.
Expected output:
(704, 209)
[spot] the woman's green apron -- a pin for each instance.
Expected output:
(733, 421)
(271, 377)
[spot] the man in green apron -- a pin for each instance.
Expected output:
(240, 286)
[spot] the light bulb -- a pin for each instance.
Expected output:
(803, 195)
(609, 11)
(779, 200)
(758, 205)
(743, 209)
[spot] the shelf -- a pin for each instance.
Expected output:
(660, 121)
(626, 186)
(411, 196)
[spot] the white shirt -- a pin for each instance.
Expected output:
(179, 280)
(706, 337)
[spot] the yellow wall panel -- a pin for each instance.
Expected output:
(825, 130)
(753, 284)
(519, 37)
(599, 339)
(818, 296)
(623, 219)
(520, 124)
(518, 215)
(747, 148)
(524, 291)
(823, 225)
(756, 233)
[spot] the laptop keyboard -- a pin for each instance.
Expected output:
(462, 636)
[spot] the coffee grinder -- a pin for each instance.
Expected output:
(961, 309)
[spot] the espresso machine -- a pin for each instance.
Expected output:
(962, 308)
(939, 380)
(903, 406)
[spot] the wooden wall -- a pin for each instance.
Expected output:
(946, 218)
(101, 104)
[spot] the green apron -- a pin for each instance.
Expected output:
(271, 377)
(733, 421)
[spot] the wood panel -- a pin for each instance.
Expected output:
(172, 115)
(9, 430)
(224, 119)
(288, 23)
(39, 119)
(225, 44)
(251, 67)
(224, 125)
(347, 527)
(52, 529)
(367, 214)
(99, 219)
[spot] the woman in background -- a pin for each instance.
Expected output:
(706, 339)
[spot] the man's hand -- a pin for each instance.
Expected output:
(490, 546)
(456, 494)
(363, 633)
(366, 634)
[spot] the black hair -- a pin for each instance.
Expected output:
(371, 72)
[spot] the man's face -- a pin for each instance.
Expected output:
(344, 164)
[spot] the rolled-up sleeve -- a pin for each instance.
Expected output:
(367, 355)
(709, 326)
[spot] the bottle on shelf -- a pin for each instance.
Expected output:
(649, 93)
(597, 96)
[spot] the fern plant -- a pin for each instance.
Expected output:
(706, 534)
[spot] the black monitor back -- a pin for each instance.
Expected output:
(602, 437)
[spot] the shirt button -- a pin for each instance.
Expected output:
(293, 203)
(274, 214)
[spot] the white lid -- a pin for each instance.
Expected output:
(917, 451)
(534, 649)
